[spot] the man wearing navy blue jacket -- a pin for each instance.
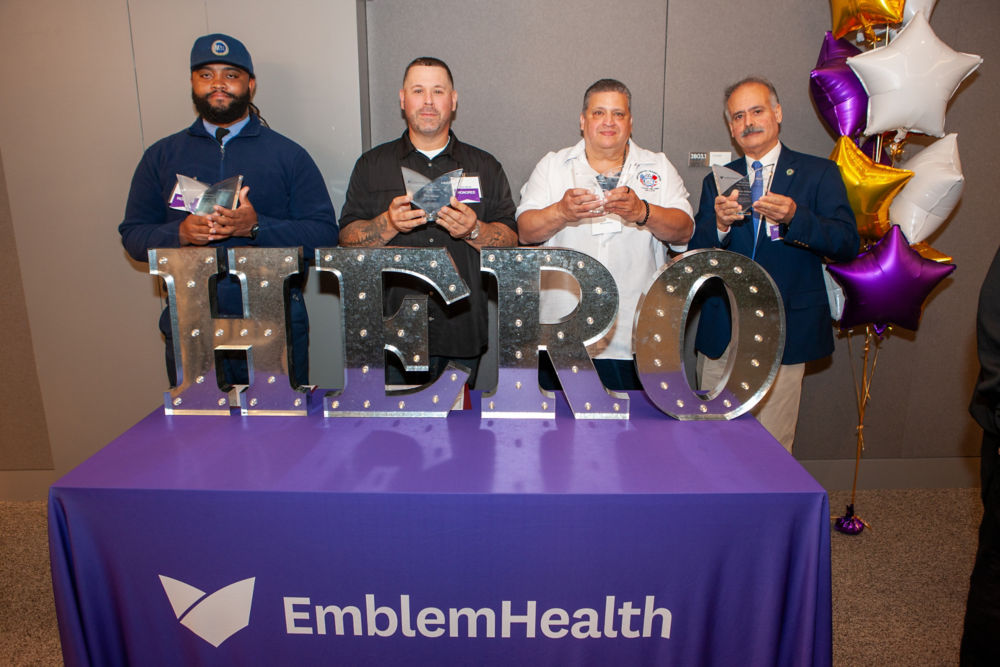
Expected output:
(284, 201)
(800, 215)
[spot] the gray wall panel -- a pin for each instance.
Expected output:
(520, 68)
(68, 149)
(24, 437)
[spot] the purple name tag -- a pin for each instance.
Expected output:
(467, 195)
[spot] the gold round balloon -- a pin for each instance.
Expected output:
(870, 187)
(851, 15)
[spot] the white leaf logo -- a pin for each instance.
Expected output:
(216, 617)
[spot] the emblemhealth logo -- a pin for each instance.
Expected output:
(616, 619)
(214, 617)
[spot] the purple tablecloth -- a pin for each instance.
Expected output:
(441, 541)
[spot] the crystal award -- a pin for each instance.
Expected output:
(193, 196)
(609, 179)
(727, 180)
(598, 184)
(431, 196)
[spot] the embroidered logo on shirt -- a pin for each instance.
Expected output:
(220, 48)
(650, 180)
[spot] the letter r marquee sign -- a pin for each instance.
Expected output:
(657, 336)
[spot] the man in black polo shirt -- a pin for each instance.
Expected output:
(378, 213)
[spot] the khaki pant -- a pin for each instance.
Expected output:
(778, 412)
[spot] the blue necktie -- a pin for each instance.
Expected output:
(756, 192)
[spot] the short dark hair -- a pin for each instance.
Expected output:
(427, 61)
(607, 86)
(772, 92)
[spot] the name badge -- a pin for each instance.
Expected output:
(606, 226)
(467, 190)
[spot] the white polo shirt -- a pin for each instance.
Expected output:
(632, 254)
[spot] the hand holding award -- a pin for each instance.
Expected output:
(431, 196)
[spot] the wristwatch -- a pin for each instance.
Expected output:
(253, 232)
(474, 234)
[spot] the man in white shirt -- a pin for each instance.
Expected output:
(626, 228)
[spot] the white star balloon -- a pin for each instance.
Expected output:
(910, 81)
(932, 194)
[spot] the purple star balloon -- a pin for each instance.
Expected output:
(888, 283)
(838, 93)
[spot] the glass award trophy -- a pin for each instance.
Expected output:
(727, 180)
(599, 184)
(609, 179)
(193, 196)
(431, 196)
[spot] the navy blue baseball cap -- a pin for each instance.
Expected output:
(219, 48)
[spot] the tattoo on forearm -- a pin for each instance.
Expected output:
(366, 234)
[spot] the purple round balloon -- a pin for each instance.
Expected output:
(888, 283)
(836, 89)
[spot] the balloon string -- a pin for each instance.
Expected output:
(862, 394)
(869, 32)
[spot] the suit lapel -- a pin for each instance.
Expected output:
(784, 172)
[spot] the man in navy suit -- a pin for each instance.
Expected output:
(800, 215)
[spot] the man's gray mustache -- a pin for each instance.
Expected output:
(751, 130)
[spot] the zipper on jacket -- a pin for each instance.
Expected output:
(222, 161)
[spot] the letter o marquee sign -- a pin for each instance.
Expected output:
(758, 335)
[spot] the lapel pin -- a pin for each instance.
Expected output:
(789, 172)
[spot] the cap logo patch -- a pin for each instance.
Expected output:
(220, 48)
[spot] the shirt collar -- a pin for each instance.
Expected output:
(234, 129)
(769, 159)
(407, 147)
(579, 152)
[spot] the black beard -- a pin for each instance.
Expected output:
(237, 108)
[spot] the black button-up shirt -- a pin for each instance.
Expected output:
(458, 330)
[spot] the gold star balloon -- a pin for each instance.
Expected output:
(927, 252)
(851, 15)
(870, 187)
